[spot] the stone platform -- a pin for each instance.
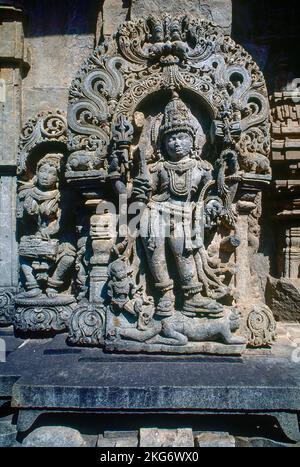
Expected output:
(47, 376)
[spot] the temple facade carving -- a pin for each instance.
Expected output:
(149, 223)
(138, 211)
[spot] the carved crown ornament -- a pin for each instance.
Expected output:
(44, 128)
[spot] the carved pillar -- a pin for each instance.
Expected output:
(103, 238)
(291, 253)
(248, 231)
(13, 63)
(284, 290)
(243, 276)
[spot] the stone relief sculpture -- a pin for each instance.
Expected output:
(168, 143)
(46, 254)
(39, 203)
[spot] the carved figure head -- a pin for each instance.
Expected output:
(178, 129)
(213, 209)
(178, 144)
(177, 117)
(48, 170)
(118, 270)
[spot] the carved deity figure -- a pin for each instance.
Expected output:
(121, 287)
(45, 258)
(172, 187)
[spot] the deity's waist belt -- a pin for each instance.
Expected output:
(165, 218)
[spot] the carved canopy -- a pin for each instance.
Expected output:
(148, 57)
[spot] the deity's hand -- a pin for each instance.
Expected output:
(44, 235)
(141, 189)
(213, 211)
(31, 206)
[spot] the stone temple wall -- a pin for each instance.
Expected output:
(43, 44)
(69, 74)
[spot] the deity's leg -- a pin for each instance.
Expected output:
(31, 285)
(63, 266)
(193, 300)
(159, 269)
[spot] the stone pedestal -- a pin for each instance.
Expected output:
(44, 378)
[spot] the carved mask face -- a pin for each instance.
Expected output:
(120, 272)
(47, 176)
(178, 145)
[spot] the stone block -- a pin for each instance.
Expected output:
(260, 443)
(155, 437)
(114, 14)
(118, 439)
(8, 433)
(54, 436)
(214, 440)
(11, 34)
(283, 297)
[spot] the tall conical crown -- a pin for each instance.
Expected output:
(177, 117)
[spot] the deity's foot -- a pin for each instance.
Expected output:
(51, 292)
(32, 293)
(199, 304)
(165, 307)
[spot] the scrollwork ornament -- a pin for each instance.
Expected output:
(44, 317)
(86, 326)
(162, 53)
(45, 127)
(6, 307)
(261, 326)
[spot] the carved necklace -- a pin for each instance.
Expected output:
(180, 176)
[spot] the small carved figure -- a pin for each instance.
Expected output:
(180, 329)
(121, 288)
(256, 163)
(45, 258)
(183, 329)
(83, 161)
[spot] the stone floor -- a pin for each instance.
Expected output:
(52, 394)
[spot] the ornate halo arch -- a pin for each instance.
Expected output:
(157, 54)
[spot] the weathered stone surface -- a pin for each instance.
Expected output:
(214, 440)
(118, 440)
(214, 348)
(218, 11)
(114, 14)
(155, 437)
(63, 376)
(283, 297)
(56, 36)
(11, 34)
(54, 436)
(241, 442)
(8, 433)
